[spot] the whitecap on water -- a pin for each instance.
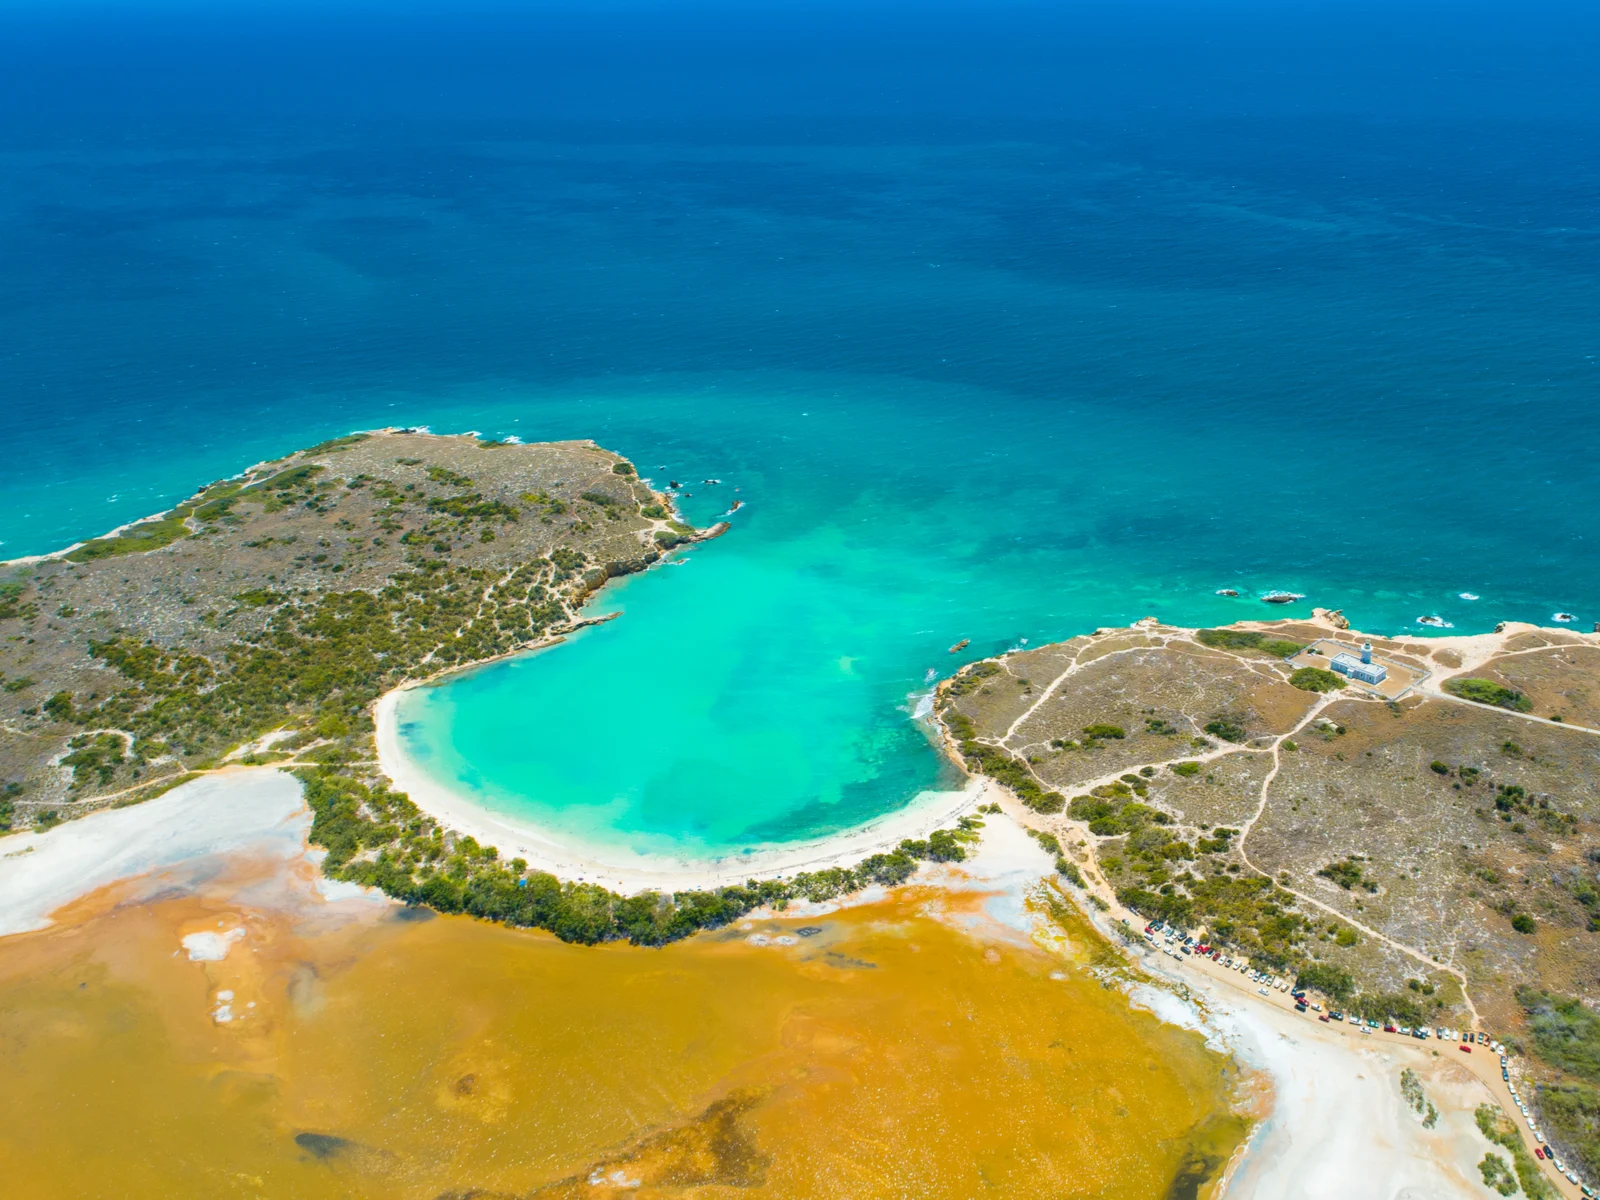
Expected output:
(1469, 595)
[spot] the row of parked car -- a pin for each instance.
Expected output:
(1541, 1150)
(1176, 943)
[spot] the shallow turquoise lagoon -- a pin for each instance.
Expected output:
(763, 689)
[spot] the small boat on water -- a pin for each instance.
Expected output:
(1281, 597)
(961, 645)
(1469, 595)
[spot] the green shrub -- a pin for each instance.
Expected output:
(60, 707)
(1050, 843)
(1566, 1032)
(1230, 727)
(1315, 679)
(1187, 769)
(1523, 923)
(11, 600)
(1248, 639)
(1333, 982)
(1487, 691)
(1346, 873)
(622, 468)
(472, 506)
(1495, 1126)
(1571, 1114)
(1105, 732)
(984, 759)
(1496, 1175)
(448, 477)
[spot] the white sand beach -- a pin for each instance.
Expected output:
(1338, 1125)
(626, 871)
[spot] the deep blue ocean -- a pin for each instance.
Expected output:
(1007, 320)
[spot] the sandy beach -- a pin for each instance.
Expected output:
(1336, 1123)
(625, 871)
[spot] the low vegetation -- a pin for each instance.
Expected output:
(1487, 691)
(1416, 1099)
(985, 759)
(380, 839)
(1315, 679)
(1498, 1128)
(1349, 874)
(1496, 1175)
(1248, 639)
(1230, 727)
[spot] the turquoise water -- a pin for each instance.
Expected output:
(1007, 323)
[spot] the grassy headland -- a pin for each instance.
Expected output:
(1398, 857)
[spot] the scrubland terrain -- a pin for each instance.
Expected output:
(1430, 860)
(261, 620)
(282, 602)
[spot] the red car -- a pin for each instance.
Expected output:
(1466, 1049)
(1538, 1151)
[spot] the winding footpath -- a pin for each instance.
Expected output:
(1115, 915)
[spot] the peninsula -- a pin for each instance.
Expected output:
(1412, 841)
(262, 620)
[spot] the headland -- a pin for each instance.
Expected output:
(1399, 833)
